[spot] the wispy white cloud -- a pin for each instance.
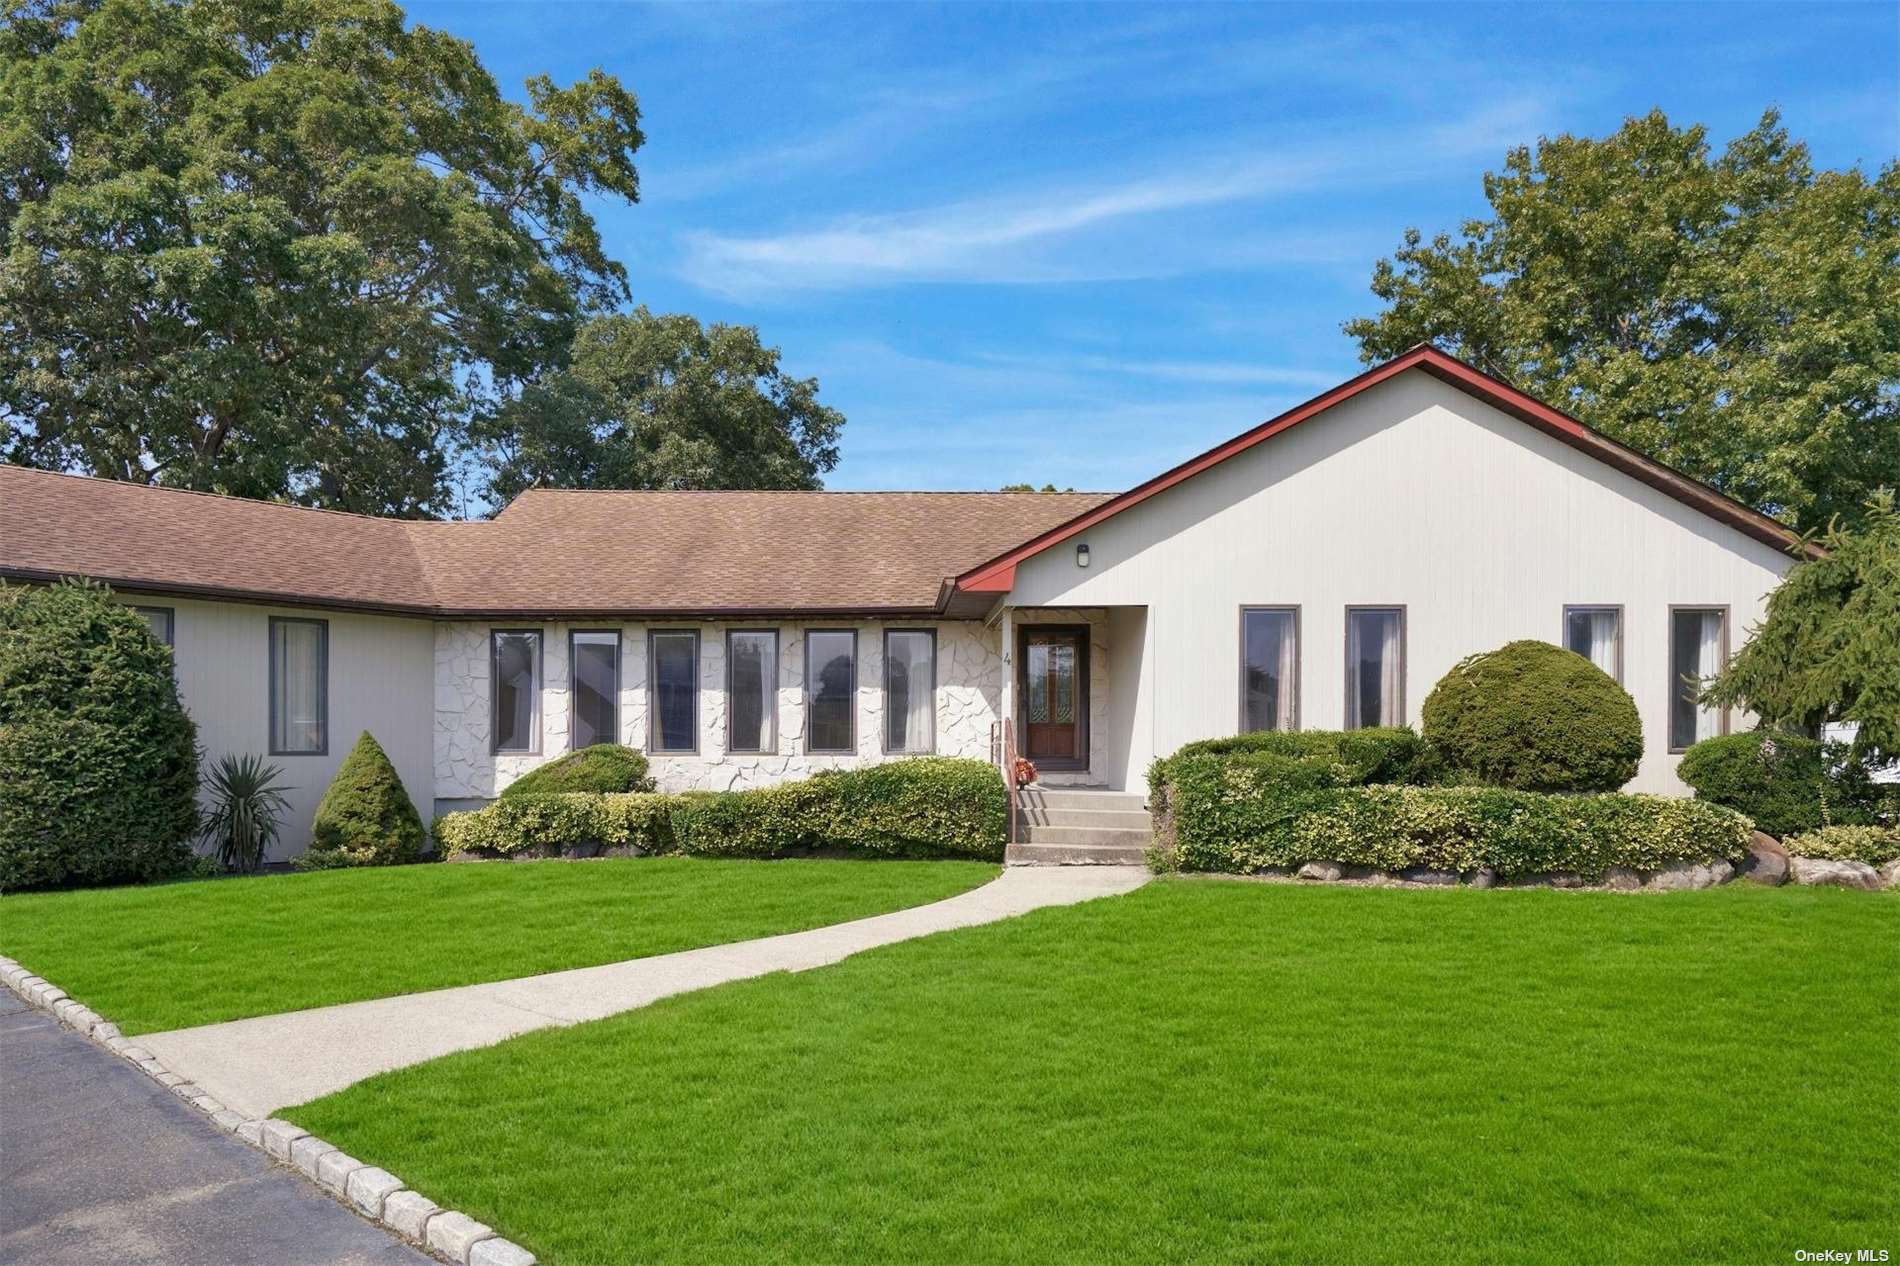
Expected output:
(1014, 237)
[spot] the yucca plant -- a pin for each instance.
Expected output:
(247, 809)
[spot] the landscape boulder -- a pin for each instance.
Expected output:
(1838, 874)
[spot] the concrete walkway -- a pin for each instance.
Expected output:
(99, 1163)
(260, 1065)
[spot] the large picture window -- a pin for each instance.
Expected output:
(1375, 666)
(831, 688)
(299, 687)
(673, 690)
(1596, 633)
(1269, 668)
(514, 705)
(594, 673)
(752, 690)
(910, 690)
(1698, 647)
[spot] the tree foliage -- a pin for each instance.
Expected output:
(98, 760)
(283, 248)
(1736, 317)
(664, 402)
(1829, 647)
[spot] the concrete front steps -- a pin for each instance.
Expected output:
(1081, 827)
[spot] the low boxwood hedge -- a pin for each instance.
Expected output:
(1875, 845)
(1788, 783)
(1244, 815)
(1392, 754)
(561, 820)
(921, 807)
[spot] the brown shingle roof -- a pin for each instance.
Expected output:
(548, 553)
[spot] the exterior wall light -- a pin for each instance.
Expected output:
(1082, 556)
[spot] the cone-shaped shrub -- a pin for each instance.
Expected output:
(365, 818)
(1534, 717)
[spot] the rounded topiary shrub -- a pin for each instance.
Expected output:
(365, 818)
(1535, 717)
(607, 768)
(98, 760)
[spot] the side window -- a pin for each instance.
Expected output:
(673, 690)
(514, 714)
(299, 687)
(831, 690)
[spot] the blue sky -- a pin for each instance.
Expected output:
(1078, 244)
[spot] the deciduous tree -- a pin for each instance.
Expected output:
(1737, 317)
(283, 248)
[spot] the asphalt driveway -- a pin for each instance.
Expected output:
(99, 1163)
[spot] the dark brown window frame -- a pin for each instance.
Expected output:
(1669, 663)
(653, 692)
(171, 622)
(323, 685)
(831, 751)
(1563, 632)
(1405, 661)
(885, 736)
(772, 702)
(573, 681)
(1085, 713)
(1299, 658)
(540, 685)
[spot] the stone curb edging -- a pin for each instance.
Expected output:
(375, 1194)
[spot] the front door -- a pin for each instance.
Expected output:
(1052, 694)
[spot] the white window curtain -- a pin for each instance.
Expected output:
(515, 708)
(298, 672)
(909, 691)
(1696, 653)
(1594, 633)
(752, 706)
(1269, 683)
(1375, 667)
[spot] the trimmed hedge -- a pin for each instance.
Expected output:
(604, 767)
(551, 823)
(1235, 816)
(929, 806)
(1534, 717)
(365, 817)
(1391, 754)
(1875, 845)
(1788, 783)
(98, 759)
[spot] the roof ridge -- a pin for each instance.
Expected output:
(217, 496)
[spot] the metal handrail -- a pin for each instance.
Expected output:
(1007, 767)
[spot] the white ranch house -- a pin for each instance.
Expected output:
(1321, 570)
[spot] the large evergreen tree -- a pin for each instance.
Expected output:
(283, 248)
(1735, 316)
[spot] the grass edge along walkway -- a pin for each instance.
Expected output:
(1212, 1072)
(179, 955)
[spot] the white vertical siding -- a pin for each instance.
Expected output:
(379, 672)
(1412, 494)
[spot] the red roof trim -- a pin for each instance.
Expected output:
(999, 574)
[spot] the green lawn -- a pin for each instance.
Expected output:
(1213, 1071)
(174, 955)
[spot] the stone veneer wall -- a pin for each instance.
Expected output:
(969, 690)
